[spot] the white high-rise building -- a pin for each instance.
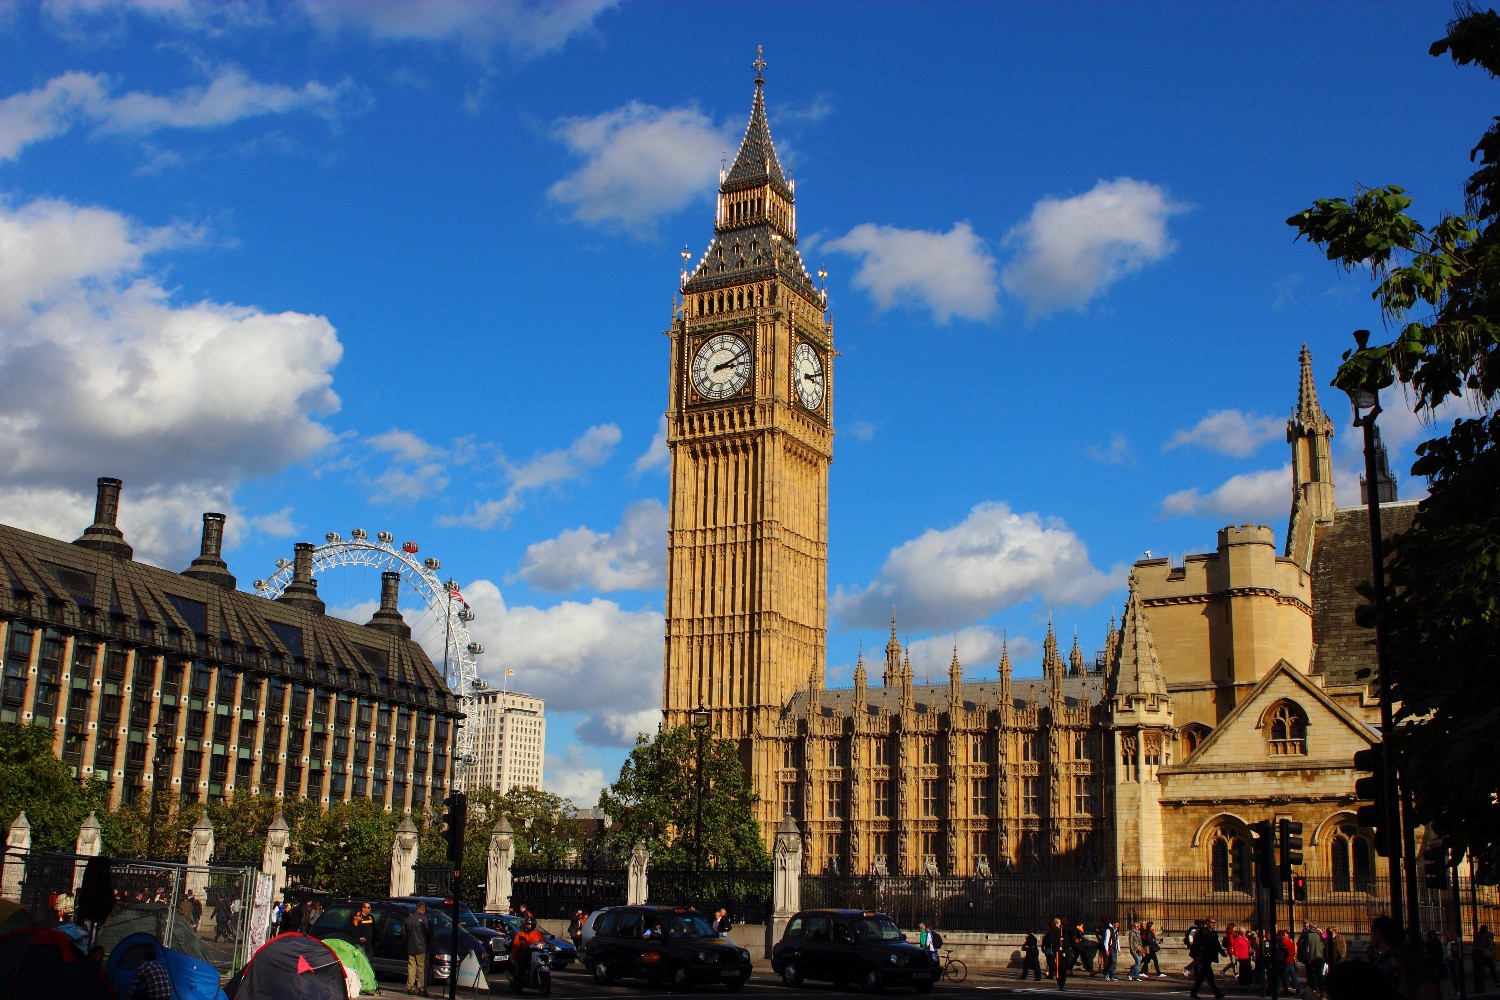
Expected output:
(510, 738)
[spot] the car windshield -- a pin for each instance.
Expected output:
(877, 928)
(687, 925)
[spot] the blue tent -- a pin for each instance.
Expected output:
(192, 979)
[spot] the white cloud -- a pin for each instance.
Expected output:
(656, 456)
(528, 27)
(592, 449)
(641, 163)
(1071, 250)
(180, 401)
(632, 557)
(83, 99)
(1229, 432)
(593, 658)
(1115, 452)
(862, 431)
(572, 776)
(993, 559)
(950, 274)
(978, 653)
(1262, 497)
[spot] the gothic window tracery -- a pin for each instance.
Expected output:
(1223, 858)
(1193, 735)
(1127, 758)
(1286, 728)
(1352, 860)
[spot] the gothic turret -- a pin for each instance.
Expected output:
(1385, 483)
(1052, 668)
(892, 675)
(1076, 666)
(1141, 730)
(1135, 673)
(860, 686)
(955, 682)
(1005, 697)
(1310, 433)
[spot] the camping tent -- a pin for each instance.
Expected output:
(152, 919)
(354, 958)
(13, 916)
(39, 964)
(191, 979)
(290, 967)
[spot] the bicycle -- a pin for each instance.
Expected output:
(953, 969)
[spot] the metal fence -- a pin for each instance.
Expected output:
(556, 892)
(745, 894)
(206, 912)
(1008, 904)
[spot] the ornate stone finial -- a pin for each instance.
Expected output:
(760, 65)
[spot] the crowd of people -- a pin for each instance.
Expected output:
(1314, 959)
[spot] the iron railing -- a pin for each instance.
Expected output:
(555, 893)
(1010, 903)
(746, 894)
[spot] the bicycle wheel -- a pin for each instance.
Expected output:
(955, 970)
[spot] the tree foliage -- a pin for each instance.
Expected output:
(655, 800)
(35, 781)
(1438, 291)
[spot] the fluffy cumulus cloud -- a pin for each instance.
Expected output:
(592, 449)
(1262, 497)
(1229, 432)
(949, 274)
(656, 457)
(83, 99)
(640, 163)
(591, 658)
(103, 373)
(1071, 250)
(574, 776)
(632, 557)
(978, 651)
(993, 559)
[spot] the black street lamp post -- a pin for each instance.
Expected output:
(701, 719)
(161, 756)
(1369, 400)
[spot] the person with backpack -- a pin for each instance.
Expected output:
(1152, 944)
(1029, 961)
(929, 939)
(1188, 937)
(1109, 949)
(1052, 942)
(1206, 950)
(1310, 952)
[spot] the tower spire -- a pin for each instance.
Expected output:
(1052, 666)
(1135, 671)
(1310, 433)
(1005, 671)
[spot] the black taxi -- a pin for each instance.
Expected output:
(676, 946)
(846, 947)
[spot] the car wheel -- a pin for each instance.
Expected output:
(602, 975)
(791, 975)
(874, 981)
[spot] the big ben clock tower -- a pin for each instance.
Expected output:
(749, 427)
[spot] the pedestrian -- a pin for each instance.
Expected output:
(929, 939)
(1310, 950)
(1109, 949)
(1231, 934)
(151, 981)
(1188, 937)
(1029, 960)
(1484, 956)
(291, 920)
(1286, 952)
(1052, 942)
(1152, 944)
(278, 911)
(1206, 951)
(1072, 938)
(1452, 960)
(362, 925)
(419, 934)
(1137, 952)
(575, 930)
(1240, 948)
(1335, 948)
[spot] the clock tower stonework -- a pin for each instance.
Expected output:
(749, 428)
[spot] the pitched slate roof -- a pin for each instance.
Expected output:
(1341, 561)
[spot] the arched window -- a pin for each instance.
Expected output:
(1286, 728)
(1193, 735)
(1224, 859)
(1352, 860)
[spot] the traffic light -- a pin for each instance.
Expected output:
(1291, 847)
(454, 820)
(1372, 788)
(1435, 867)
(1299, 889)
(1264, 833)
(1244, 866)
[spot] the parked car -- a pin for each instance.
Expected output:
(590, 922)
(389, 951)
(496, 943)
(675, 946)
(562, 951)
(846, 947)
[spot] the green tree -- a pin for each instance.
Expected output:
(655, 801)
(349, 847)
(1436, 288)
(35, 781)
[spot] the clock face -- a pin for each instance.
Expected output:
(807, 373)
(721, 367)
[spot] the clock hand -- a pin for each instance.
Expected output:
(730, 363)
(813, 378)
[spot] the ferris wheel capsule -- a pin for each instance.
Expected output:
(432, 563)
(386, 537)
(408, 547)
(333, 538)
(359, 534)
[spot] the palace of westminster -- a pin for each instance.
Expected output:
(1232, 689)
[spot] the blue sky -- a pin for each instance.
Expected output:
(406, 267)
